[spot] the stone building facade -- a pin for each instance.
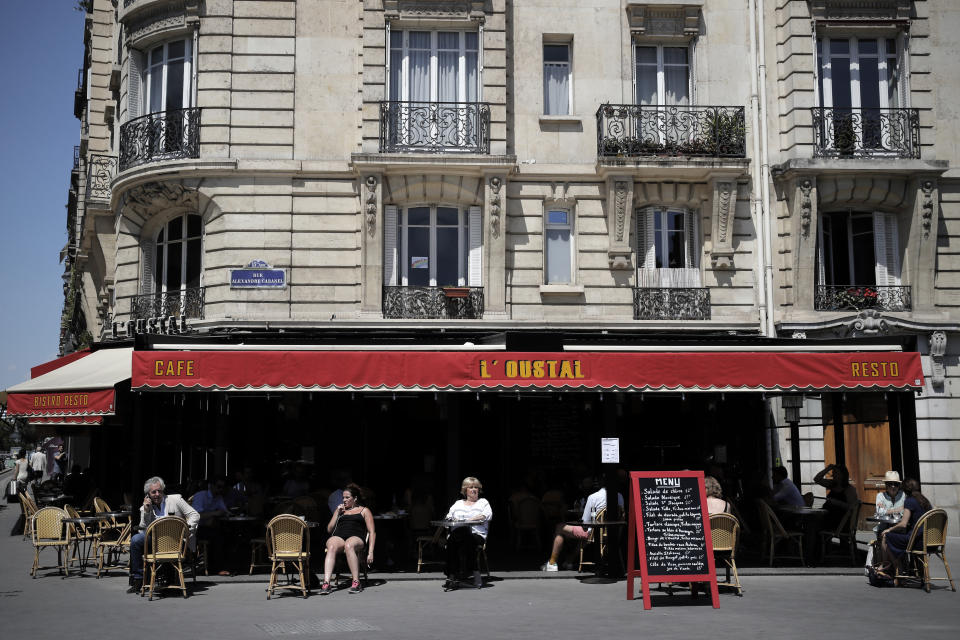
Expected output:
(650, 167)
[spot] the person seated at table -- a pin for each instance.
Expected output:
(157, 504)
(211, 506)
(785, 492)
(463, 541)
(893, 541)
(350, 523)
(595, 502)
(715, 501)
(889, 501)
(840, 495)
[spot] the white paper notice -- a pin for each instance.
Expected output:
(610, 450)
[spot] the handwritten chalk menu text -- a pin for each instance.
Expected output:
(673, 526)
(669, 533)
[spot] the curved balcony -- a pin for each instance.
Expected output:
(855, 297)
(866, 133)
(630, 130)
(186, 303)
(165, 135)
(665, 303)
(433, 303)
(434, 127)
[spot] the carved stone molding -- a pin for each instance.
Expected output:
(370, 205)
(877, 191)
(926, 206)
(806, 205)
(619, 210)
(938, 347)
(452, 188)
(879, 10)
(152, 197)
(799, 335)
(443, 9)
(680, 20)
(495, 206)
(724, 203)
(868, 322)
(169, 16)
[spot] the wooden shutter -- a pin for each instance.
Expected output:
(134, 84)
(903, 71)
(148, 252)
(821, 267)
(390, 246)
(475, 260)
(691, 231)
(646, 249)
(886, 249)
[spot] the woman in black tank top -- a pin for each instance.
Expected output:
(348, 527)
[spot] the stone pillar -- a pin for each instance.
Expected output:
(803, 209)
(619, 220)
(371, 232)
(495, 246)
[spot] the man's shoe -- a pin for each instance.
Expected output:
(550, 566)
(355, 587)
(450, 584)
(135, 586)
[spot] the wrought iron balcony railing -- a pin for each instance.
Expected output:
(165, 135)
(184, 303)
(856, 297)
(861, 133)
(448, 303)
(434, 127)
(100, 172)
(639, 130)
(671, 304)
(79, 96)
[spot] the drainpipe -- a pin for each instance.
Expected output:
(765, 172)
(756, 192)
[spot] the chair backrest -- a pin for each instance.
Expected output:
(287, 534)
(933, 524)
(100, 505)
(75, 529)
(771, 519)
(48, 525)
(724, 531)
(528, 513)
(28, 503)
(168, 534)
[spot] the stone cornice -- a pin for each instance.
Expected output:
(856, 10)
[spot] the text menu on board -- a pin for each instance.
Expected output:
(673, 526)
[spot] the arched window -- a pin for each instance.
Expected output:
(179, 254)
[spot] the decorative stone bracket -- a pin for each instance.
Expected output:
(653, 18)
(619, 219)
(371, 204)
(938, 347)
(928, 204)
(724, 204)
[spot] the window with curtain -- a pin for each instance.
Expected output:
(168, 77)
(662, 75)
(434, 66)
(668, 248)
(556, 79)
(857, 79)
(179, 254)
(858, 249)
(558, 246)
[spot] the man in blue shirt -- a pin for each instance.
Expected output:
(784, 490)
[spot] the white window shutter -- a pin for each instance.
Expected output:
(390, 246)
(646, 248)
(886, 249)
(134, 84)
(475, 260)
(691, 230)
(903, 71)
(821, 267)
(148, 252)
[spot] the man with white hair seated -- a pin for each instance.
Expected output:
(155, 505)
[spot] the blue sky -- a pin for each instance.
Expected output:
(42, 49)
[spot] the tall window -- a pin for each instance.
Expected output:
(179, 254)
(859, 249)
(434, 247)
(434, 66)
(168, 76)
(557, 87)
(662, 75)
(668, 247)
(558, 246)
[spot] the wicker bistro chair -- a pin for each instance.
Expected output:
(596, 536)
(341, 564)
(725, 533)
(48, 532)
(845, 531)
(288, 540)
(165, 542)
(81, 534)
(929, 537)
(774, 532)
(111, 545)
(437, 541)
(28, 507)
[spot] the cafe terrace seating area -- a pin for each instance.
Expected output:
(277, 539)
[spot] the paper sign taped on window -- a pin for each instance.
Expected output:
(419, 262)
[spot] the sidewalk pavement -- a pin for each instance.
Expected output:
(404, 606)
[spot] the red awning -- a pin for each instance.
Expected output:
(67, 420)
(466, 370)
(96, 402)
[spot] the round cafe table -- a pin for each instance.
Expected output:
(85, 543)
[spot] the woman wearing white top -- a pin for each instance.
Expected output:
(462, 542)
(22, 470)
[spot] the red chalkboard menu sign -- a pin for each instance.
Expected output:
(669, 535)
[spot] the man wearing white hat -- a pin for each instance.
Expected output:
(890, 500)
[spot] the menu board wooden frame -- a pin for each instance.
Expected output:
(636, 542)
